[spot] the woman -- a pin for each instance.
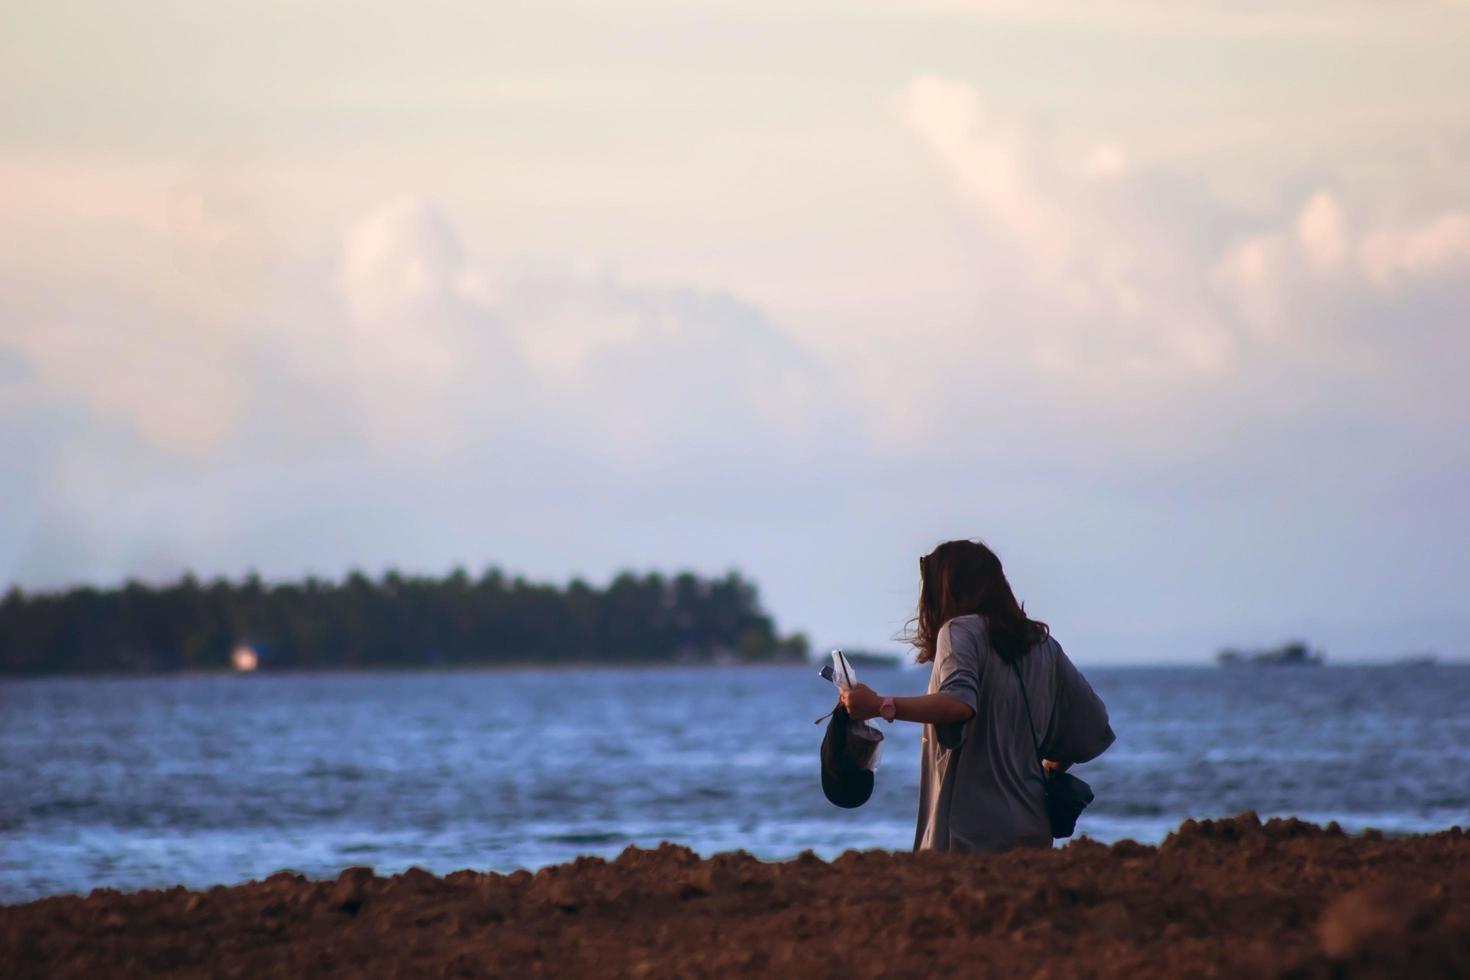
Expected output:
(980, 784)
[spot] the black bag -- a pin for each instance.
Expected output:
(1066, 796)
(848, 749)
(846, 782)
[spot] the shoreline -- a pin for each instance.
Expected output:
(633, 666)
(1232, 896)
(516, 666)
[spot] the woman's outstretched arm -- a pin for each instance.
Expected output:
(862, 703)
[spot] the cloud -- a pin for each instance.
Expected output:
(443, 346)
(1138, 274)
(1346, 18)
(403, 254)
(993, 165)
(134, 298)
(1253, 273)
(649, 364)
(1137, 333)
(1097, 358)
(1114, 282)
(1290, 276)
(400, 368)
(421, 361)
(1321, 233)
(1105, 160)
(179, 391)
(1437, 248)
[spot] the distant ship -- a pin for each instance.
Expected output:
(1294, 654)
(869, 658)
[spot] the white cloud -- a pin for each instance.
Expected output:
(408, 336)
(1113, 285)
(180, 390)
(408, 351)
(399, 399)
(1253, 272)
(991, 163)
(1105, 160)
(1034, 328)
(1439, 247)
(403, 254)
(1276, 278)
(1176, 338)
(444, 344)
(1321, 231)
(1343, 18)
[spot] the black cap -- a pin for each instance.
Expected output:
(844, 782)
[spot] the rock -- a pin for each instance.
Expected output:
(1234, 900)
(416, 879)
(349, 892)
(1128, 848)
(1371, 916)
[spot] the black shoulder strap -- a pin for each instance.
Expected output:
(1030, 723)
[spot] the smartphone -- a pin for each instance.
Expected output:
(826, 673)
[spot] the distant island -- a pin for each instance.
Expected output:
(1293, 654)
(392, 621)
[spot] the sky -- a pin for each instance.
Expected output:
(1167, 302)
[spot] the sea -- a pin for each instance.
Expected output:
(134, 783)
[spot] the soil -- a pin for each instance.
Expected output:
(1218, 898)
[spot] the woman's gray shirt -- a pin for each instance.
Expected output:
(980, 785)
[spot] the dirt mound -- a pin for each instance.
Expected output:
(1218, 897)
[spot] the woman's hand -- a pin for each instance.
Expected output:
(861, 702)
(1053, 768)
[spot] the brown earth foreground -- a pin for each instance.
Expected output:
(1226, 897)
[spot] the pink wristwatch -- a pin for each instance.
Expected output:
(888, 710)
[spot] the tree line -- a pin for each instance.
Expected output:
(392, 621)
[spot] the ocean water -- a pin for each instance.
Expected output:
(140, 783)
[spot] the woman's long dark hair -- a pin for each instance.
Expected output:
(962, 577)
